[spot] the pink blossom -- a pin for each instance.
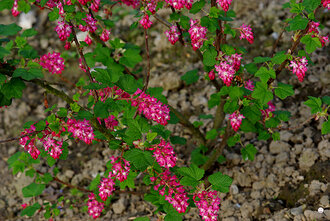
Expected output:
(299, 67)
(234, 60)
(326, 4)
(106, 188)
(236, 120)
(324, 40)
(208, 203)
(88, 40)
(313, 27)
(226, 72)
(151, 107)
(83, 2)
(151, 6)
(111, 122)
(90, 24)
(29, 143)
(164, 154)
(24, 205)
(81, 130)
(179, 4)
(172, 34)
(197, 34)
(267, 113)
(105, 35)
(53, 62)
(14, 9)
(63, 30)
(52, 146)
(249, 85)
(120, 168)
(224, 4)
(145, 22)
(211, 75)
(67, 45)
(246, 32)
(133, 3)
(95, 6)
(95, 208)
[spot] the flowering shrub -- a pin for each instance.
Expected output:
(117, 108)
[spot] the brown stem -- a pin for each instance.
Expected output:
(148, 60)
(179, 28)
(299, 125)
(19, 137)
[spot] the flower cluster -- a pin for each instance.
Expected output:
(110, 122)
(28, 143)
(105, 36)
(145, 22)
(151, 107)
(211, 75)
(246, 32)
(326, 4)
(133, 3)
(95, 208)
(174, 192)
(179, 4)
(197, 34)
(95, 6)
(226, 72)
(53, 62)
(172, 34)
(106, 188)
(90, 24)
(313, 29)
(14, 9)
(53, 146)
(266, 114)
(224, 4)
(249, 85)
(112, 92)
(88, 40)
(83, 2)
(234, 60)
(151, 6)
(299, 67)
(164, 154)
(81, 130)
(236, 120)
(208, 204)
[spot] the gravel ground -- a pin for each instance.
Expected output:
(288, 180)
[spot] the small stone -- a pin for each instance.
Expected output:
(255, 195)
(315, 187)
(118, 207)
(313, 215)
(282, 157)
(297, 211)
(324, 201)
(307, 159)
(12, 150)
(69, 173)
(234, 189)
(243, 179)
(258, 185)
(324, 149)
(2, 204)
(327, 214)
(278, 147)
(285, 135)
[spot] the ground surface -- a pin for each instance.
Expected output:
(288, 180)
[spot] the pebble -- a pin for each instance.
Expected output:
(297, 211)
(234, 189)
(313, 215)
(276, 147)
(282, 157)
(119, 206)
(324, 201)
(69, 173)
(307, 158)
(324, 149)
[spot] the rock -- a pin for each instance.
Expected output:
(278, 147)
(313, 215)
(282, 157)
(119, 206)
(69, 173)
(324, 149)
(298, 148)
(255, 195)
(307, 158)
(12, 150)
(2, 204)
(258, 185)
(199, 100)
(324, 201)
(327, 214)
(271, 181)
(298, 210)
(243, 179)
(169, 81)
(315, 187)
(246, 210)
(234, 189)
(285, 135)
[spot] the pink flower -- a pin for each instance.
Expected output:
(172, 34)
(324, 40)
(208, 203)
(234, 60)
(120, 168)
(226, 72)
(197, 34)
(133, 3)
(249, 85)
(14, 9)
(151, 107)
(95, 208)
(90, 24)
(105, 35)
(95, 5)
(29, 143)
(24, 205)
(313, 27)
(299, 67)
(53, 62)
(106, 188)
(326, 4)
(151, 6)
(52, 146)
(81, 130)
(236, 120)
(164, 154)
(63, 30)
(88, 40)
(246, 32)
(224, 4)
(145, 22)
(267, 113)
(67, 45)
(211, 75)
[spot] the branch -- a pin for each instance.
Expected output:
(148, 60)
(19, 137)
(179, 28)
(299, 125)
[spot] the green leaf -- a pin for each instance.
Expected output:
(197, 6)
(23, 6)
(279, 58)
(185, 22)
(311, 5)
(63, 112)
(190, 77)
(144, 218)
(129, 182)
(249, 152)
(262, 94)
(54, 14)
(283, 115)
(178, 140)
(151, 136)
(211, 134)
(3, 52)
(41, 125)
(326, 100)
(50, 161)
(116, 43)
(214, 12)
(6, 4)
(30, 210)
(314, 103)
(220, 182)
(9, 30)
(13, 89)
(209, 57)
(82, 114)
(28, 75)
(127, 83)
(230, 106)
(75, 107)
(130, 58)
(47, 178)
(228, 49)
(251, 112)
(311, 43)
(298, 23)
(140, 159)
(193, 172)
(187, 181)
(283, 90)
(235, 92)
(33, 190)
(29, 32)
(214, 100)
(101, 110)
(251, 68)
(258, 60)
(95, 182)
(233, 140)
(28, 52)
(326, 127)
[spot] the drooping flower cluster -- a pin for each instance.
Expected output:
(88, 40)
(133, 3)
(90, 24)
(81, 129)
(179, 4)
(106, 188)
(145, 22)
(164, 154)
(95, 5)
(226, 72)
(110, 122)
(236, 120)
(53, 62)
(326, 4)
(105, 36)
(234, 60)
(197, 34)
(211, 75)
(249, 85)
(151, 107)
(299, 67)
(313, 29)
(28, 143)
(267, 113)
(172, 34)
(95, 208)
(224, 4)
(208, 203)
(174, 192)
(14, 9)
(246, 32)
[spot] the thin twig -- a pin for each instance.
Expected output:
(148, 61)
(299, 125)
(179, 28)
(17, 138)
